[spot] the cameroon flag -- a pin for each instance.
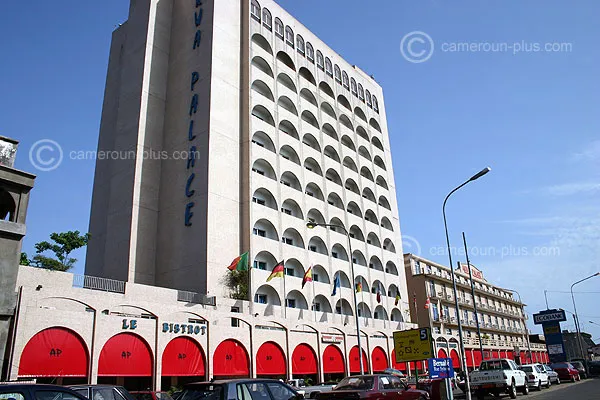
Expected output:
(277, 271)
(359, 287)
(239, 263)
(397, 300)
(307, 277)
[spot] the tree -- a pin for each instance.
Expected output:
(24, 259)
(237, 282)
(64, 244)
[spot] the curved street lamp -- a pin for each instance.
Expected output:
(311, 225)
(460, 333)
(577, 319)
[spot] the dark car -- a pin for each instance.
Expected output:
(566, 371)
(373, 387)
(31, 391)
(150, 395)
(240, 389)
(103, 392)
(580, 368)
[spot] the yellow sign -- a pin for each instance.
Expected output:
(413, 345)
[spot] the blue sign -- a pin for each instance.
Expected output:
(548, 316)
(440, 368)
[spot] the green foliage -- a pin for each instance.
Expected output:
(63, 244)
(24, 259)
(237, 283)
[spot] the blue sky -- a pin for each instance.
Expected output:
(533, 223)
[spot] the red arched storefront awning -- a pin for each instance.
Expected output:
(401, 366)
(354, 363)
(183, 356)
(442, 353)
(455, 359)
(477, 358)
(231, 359)
(469, 358)
(125, 354)
(270, 360)
(304, 360)
(495, 354)
(379, 360)
(54, 352)
(333, 360)
(510, 355)
(524, 358)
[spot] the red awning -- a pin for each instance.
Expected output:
(455, 359)
(333, 360)
(304, 360)
(54, 352)
(231, 359)
(442, 353)
(510, 354)
(401, 366)
(183, 357)
(524, 358)
(125, 354)
(477, 358)
(379, 360)
(495, 354)
(469, 357)
(270, 360)
(354, 363)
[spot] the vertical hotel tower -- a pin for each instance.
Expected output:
(246, 126)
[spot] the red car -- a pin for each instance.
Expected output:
(373, 387)
(566, 371)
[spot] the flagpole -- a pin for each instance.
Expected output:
(250, 291)
(313, 294)
(284, 294)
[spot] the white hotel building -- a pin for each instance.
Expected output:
(284, 131)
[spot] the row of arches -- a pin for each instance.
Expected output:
(307, 50)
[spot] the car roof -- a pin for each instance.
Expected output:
(232, 381)
(94, 385)
(28, 385)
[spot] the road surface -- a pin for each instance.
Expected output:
(588, 389)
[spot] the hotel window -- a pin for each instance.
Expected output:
(310, 52)
(437, 330)
(260, 265)
(289, 36)
(375, 105)
(328, 67)
(255, 10)
(316, 279)
(289, 271)
(311, 194)
(466, 315)
(286, 211)
(258, 171)
(258, 143)
(259, 232)
(286, 183)
(338, 309)
(345, 80)
(417, 267)
(369, 103)
(353, 87)
(334, 254)
(448, 331)
(361, 93)
(320, 64)
(260, 298)
(287, 240)
(446, 311)
(278, 28)
(312, 248)
(338, 73)
(267, 19)
(300, 44)
(436, 314)
(316, 307)
(431, 288)
(468, 333)
(258, 201)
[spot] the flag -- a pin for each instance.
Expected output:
(359, 287)
(379, 295)
(336, 284)
(307, 277)
(427, 303)
(397, 299)
(277, 271)
(239, 263)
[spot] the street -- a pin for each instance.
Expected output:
(588, 389)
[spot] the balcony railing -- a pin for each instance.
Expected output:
(97, 283)
(196, 298)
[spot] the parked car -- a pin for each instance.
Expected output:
(566, 371)
(580, 368)
(311, 392)
(150, 395)
(496, 376)
(594, 368)
(536, 376)
(32, 391)
(552, 375)
(102, 392)
(240, 389)
(373, 387)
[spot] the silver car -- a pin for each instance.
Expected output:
(552, 375)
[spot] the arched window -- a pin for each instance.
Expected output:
(375, 104)
(353, 86)
(289, 36)
(320, 60)
(368, 95)
(338, 74)
(267, 20)
(361, 93)
(300, 44)
(328, 67)
(345, 80)
(278, 28)
(310, 52)
(255, 10)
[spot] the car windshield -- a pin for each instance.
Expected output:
(577, 364)
(494, 365)
(203, 392)
(559, 365)
(547, 368)
(163, 396)
(356, 383)
(527, 368)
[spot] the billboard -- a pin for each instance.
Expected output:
(413, 345)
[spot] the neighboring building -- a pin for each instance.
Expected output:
(14, 198)
(502, 318)
(572, 349)
(249, 126)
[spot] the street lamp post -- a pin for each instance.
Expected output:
(311, 225)
(526, 330)
(460, 333)
(577, 319)
(473, 295)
